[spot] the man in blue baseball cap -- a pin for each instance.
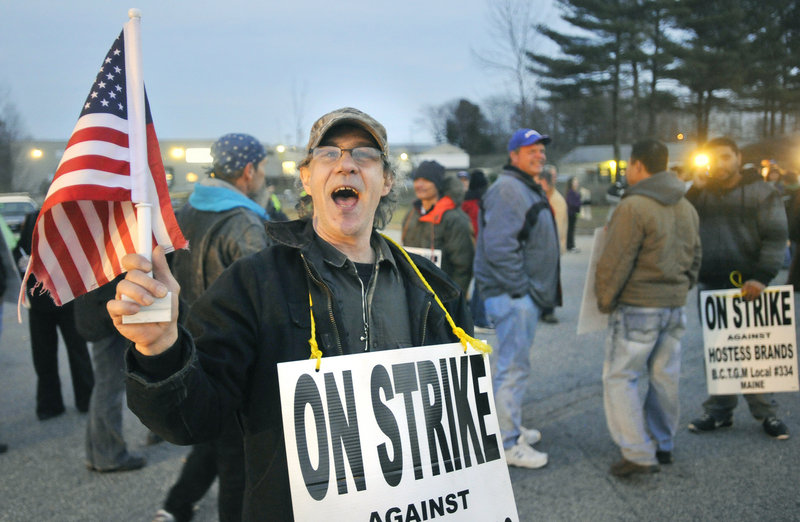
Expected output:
(517, 272)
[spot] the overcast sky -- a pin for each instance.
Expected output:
(240, 65)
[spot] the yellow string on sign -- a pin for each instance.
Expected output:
(458, 331)
(735, 278)
(316, 353)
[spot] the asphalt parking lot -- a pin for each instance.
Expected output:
(734, 474)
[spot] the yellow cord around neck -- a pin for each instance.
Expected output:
(316, 353)
(465, 339)
(459, 332)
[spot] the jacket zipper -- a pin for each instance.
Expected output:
(330, 303)
(425, 322)
(365, 335)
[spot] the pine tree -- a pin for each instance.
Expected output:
(770, 79)
(710, 54)
(468, 128)
(597, 63)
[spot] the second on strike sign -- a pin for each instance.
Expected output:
(395, 436)
(750, 346)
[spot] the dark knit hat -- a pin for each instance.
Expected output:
(433, 172)
(477, 180)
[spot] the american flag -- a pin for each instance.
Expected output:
(88, 221)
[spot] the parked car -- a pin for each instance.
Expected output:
(14, 208)
(616, 191)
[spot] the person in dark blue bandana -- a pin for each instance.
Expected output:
(221, 220)
(223, 223)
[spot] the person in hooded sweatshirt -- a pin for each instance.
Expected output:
(435, 221)
(650, 261)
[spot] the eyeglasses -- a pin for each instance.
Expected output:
(361, 155)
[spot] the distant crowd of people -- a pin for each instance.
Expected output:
(489, 255)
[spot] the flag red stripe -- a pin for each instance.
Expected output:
(99, 134)
(86, 193)
(94, 162)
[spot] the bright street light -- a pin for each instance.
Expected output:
(701, 160)
(289, 168)
(199, 155)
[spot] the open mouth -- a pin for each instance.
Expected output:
(345, 196)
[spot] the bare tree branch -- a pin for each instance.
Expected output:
(510, 25)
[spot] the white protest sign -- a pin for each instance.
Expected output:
(434, 254)
(590, 318)
(750, 346)
(397, 435)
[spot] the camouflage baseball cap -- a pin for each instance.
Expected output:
(348, 115)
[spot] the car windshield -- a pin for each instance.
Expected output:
(15, 207)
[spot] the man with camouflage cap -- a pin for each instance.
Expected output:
(366, 295)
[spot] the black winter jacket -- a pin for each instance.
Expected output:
(216, 240)
(742, 228)
(253, 317)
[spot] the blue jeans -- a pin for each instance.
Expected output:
(105, 447)
(515, 323)
(643, 342)
(478, 310)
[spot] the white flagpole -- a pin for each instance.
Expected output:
(161, 309)
(137, 134)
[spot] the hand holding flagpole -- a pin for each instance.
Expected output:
(139, 290)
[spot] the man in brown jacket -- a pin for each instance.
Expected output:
(649, 263)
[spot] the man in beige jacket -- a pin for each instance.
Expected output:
(547, 179)
(650, 261)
